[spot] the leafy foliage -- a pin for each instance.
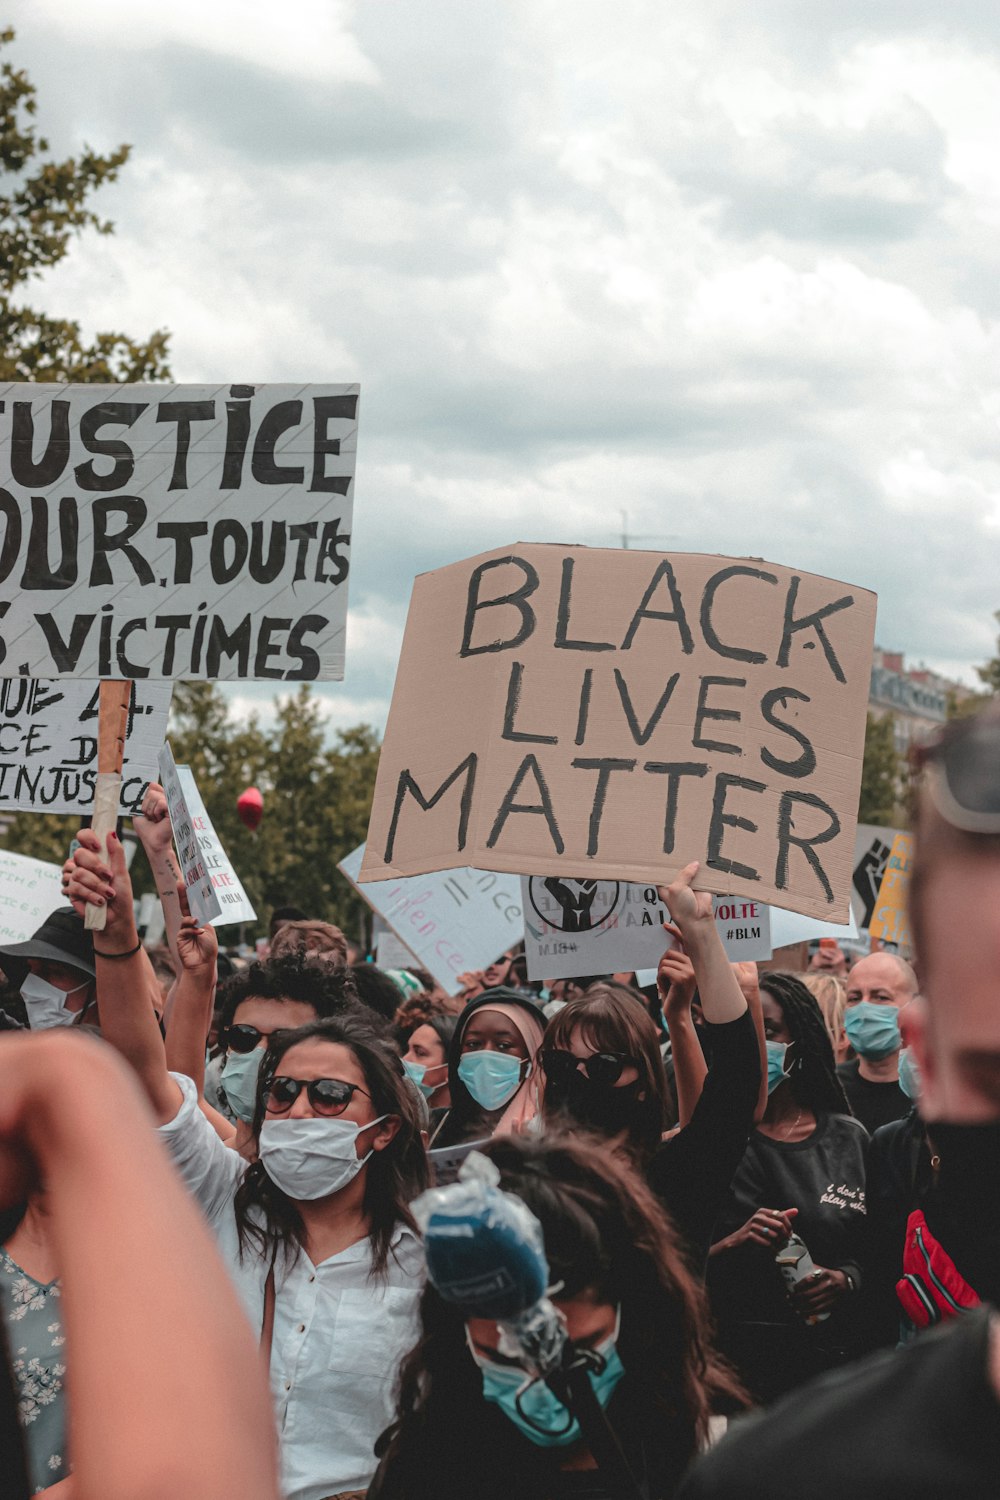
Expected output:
(880, 773)
(43, 204)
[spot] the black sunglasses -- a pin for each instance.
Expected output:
(964, 774)
(600, 1067)
(244, 1038)
(328, 1096)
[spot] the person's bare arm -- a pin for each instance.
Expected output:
(128, 1020)
(155, 834)
(676, 985)
(694, 923)
(191, 1016)
(153, 1327)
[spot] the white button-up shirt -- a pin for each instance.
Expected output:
(339, 1337)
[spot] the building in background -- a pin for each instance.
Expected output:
(917, 698)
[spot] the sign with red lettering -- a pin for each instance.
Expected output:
(603, 714)
(175, 531)
(453, 922)
(574, 927)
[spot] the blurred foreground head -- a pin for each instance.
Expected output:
(955, 914)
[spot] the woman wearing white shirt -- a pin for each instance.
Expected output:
(317, 1232)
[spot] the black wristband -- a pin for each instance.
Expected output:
(129, 954)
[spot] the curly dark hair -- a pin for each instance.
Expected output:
(606, 1237)
(268, 1219)
(812, 1073)
(330, 992)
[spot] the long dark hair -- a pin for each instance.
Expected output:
(812, 1073)
(605, 1235)
(613, 1018)
(269, 1220)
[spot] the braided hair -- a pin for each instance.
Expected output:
(812, 1076)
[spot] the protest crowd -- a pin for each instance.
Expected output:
(647, 1167)
(768, 1244)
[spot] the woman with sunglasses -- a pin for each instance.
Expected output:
(317, 1231)
(493, 1076)
(473, 1421)
(604, 1072)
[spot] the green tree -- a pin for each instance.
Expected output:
(880, 772)
(43, 203)
(989, 675)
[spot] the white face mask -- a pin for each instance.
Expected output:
(46, 1002)
(312, 1157)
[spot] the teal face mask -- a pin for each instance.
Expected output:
(536, 1411)
(872, 1030)
(417, 1073)
(239, 1082)
(492, 1078)
(909, 1074)
(775, 1064)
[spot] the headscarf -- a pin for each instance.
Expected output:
(527, 1101)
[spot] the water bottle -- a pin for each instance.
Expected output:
(795, 1264)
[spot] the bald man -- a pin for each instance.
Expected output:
(877, 988)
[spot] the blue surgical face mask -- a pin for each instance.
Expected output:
(417, 1073)
(239, 1082)
(492, 1078)
(909, 1074)
(872, 1030)
(775, 1064)
(536, 1411)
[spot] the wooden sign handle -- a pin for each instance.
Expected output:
(112, 724)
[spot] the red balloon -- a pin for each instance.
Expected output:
(250, 806)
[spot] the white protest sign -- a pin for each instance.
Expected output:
(574, 927)
(453, 921)
(390, 953)
(198, 531)
(234, 903)
(201, 895)
(48, 743)
(788, 927)
(30, 891)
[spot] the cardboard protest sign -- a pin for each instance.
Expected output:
(175, 531)
(30, 890)
(890, 922)
(453, 922)
(574, 927)
(48, 743)
(234, 903)
(390, 953)
(871, 855)
(613, 715)
(202, 900)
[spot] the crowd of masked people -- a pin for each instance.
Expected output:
(768, 1202)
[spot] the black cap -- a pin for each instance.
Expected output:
(62, 939)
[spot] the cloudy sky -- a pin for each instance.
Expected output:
(720, 275)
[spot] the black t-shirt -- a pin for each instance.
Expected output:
(922, 1423)
(823, 1177)
(874, 1104)
(691, 1172)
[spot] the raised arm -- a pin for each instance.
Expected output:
(198, 952)
(148, 1309)
(694, 923)
(676, 985)
(124, 973)
(154, 833)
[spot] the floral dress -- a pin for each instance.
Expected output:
(35, 1338)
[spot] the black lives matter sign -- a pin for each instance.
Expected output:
(613, 715)
(175, 531)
